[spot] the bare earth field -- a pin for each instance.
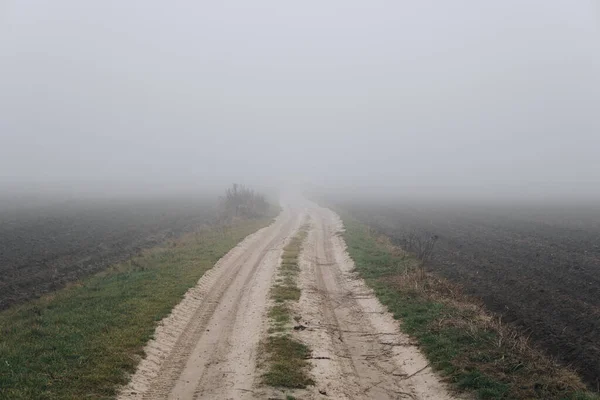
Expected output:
(538, 266)
(43, 247)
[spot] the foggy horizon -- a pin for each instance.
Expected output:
(342, 199)
(493, 100)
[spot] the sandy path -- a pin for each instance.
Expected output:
(358, 349)
(206, 348)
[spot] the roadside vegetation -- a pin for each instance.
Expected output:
(285, 358)
(471, 348)
(83, 341)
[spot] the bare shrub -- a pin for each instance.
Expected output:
(421, 244)
(240, 201)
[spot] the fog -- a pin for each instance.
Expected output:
(432, 97)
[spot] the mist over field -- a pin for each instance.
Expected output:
(301, 199)
(433, 99)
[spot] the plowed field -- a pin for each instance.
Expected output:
(537, 266)
(42, 248)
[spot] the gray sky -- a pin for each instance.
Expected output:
(469, 94)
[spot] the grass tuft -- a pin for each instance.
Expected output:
(285, 292)
(287, 363)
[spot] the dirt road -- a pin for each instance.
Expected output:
(207, 348)
(359, 351)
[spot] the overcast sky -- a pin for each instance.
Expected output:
(466, 94)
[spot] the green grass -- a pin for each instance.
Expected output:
(287, 363)
(280, 314)
(81, 342)
(458, 339)
(285, 292)
(285, 357)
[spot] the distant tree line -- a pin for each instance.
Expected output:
(240, 201)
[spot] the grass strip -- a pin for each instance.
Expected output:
(472, 349)
(287, 363)
(82, 341)
(285, 357)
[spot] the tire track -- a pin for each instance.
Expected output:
(358, 349)
(166, 371)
